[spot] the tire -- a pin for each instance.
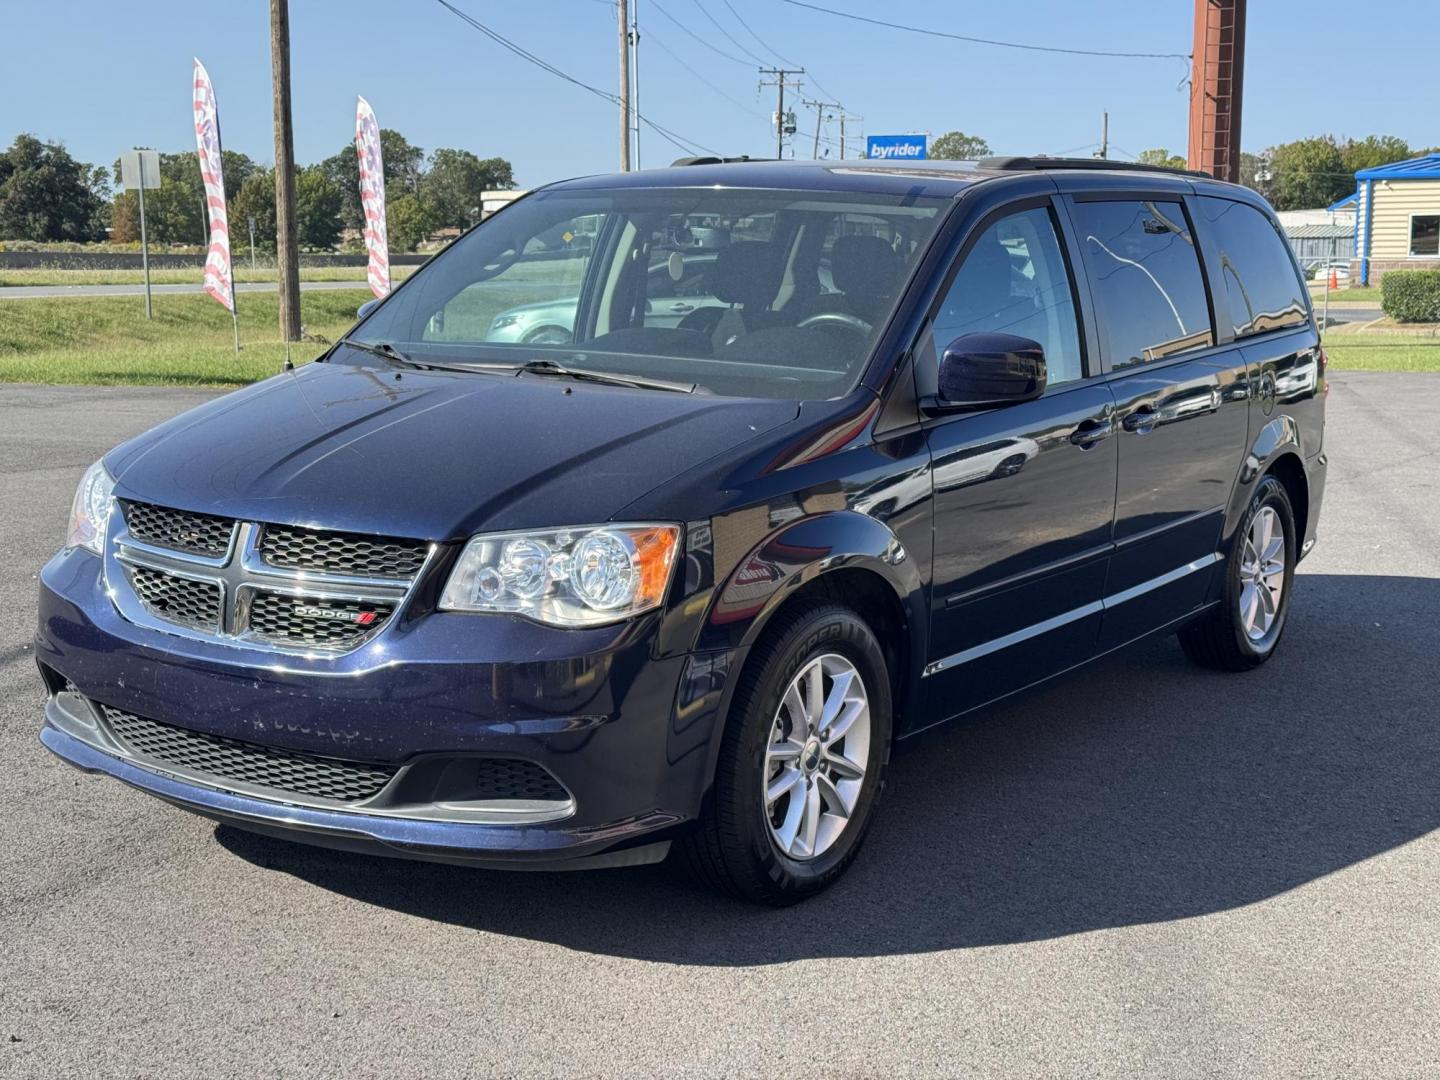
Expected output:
(547, 335)
(737, 845)
(1224, 638)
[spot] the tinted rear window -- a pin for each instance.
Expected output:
(1145, 277)
(1260, 280)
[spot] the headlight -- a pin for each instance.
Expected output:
(584, 576)
(502, 321)
(91, 510)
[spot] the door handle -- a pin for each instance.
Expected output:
(1142, 421)
(1090, 432)
(682, 307)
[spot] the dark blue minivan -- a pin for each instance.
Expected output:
(808, 458)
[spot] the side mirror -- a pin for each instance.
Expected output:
(367, 307)
(984, 370)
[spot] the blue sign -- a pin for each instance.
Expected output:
(895, 147)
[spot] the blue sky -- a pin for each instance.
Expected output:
(102, 77)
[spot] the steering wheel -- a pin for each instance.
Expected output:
(839, 319)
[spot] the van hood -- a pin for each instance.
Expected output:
(428, 454)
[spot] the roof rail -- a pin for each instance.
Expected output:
(1040, 161)
(712, 160)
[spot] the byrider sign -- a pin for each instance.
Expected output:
(895, 147)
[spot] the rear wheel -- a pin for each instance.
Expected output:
(802, 761)
(1242, 632)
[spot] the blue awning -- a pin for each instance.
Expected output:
(1420, 168)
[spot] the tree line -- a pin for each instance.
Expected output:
(46, 195)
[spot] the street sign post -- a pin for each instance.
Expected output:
(895, 147)
(140, 169)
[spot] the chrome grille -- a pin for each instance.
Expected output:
(232, 760)
(303, 620)
(273, 586)
(513, 778)
(201, 534)
(341, 553)
(177, 599)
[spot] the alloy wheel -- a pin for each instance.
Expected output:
(816, 757)
(1262, 573)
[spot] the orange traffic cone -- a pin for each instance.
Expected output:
(1334, 281)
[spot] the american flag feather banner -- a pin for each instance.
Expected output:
(219, 276)
(372, 197)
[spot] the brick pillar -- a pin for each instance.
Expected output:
(1219, 69)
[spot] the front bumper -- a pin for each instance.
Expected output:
(627, 732)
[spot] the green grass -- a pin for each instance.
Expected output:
(1367, 352)
(182, 275)
(106, 340)
(1361, 293)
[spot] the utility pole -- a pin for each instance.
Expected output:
(1104, 152)
(820, 107)
(843, 121)
(635, 72)
(622, 11)
(780, 119)
(286, 257)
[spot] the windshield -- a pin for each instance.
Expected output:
(741, 292)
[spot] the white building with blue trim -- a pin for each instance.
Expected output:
(1398, 218)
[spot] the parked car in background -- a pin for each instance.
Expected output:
(660, 582)
(1321, 272)
(676, 286)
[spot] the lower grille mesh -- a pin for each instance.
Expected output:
(513, 778)
(250, 763)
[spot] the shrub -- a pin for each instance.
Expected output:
(1411, 295)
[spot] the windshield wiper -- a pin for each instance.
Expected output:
(551, 368)
(384, 350)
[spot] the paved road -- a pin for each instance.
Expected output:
(41, 292)
(1152, 871)
(1347, 314)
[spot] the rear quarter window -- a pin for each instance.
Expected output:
(1261, 284)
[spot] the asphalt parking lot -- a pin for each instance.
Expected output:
(1148, 871)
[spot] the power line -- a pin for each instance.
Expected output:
(689, 146)
(729, 36)
(749, 110)
(988, 41)
(768, 48)
(709, 45)
(771, 49)
(650, 36)
(783, 59)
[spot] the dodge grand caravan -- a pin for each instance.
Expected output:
(927, 436)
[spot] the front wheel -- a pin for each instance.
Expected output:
(802, 761)
(1242, 632)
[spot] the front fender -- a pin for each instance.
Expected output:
(797, 554)
(800, 552)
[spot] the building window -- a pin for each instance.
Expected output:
(1425, 234)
